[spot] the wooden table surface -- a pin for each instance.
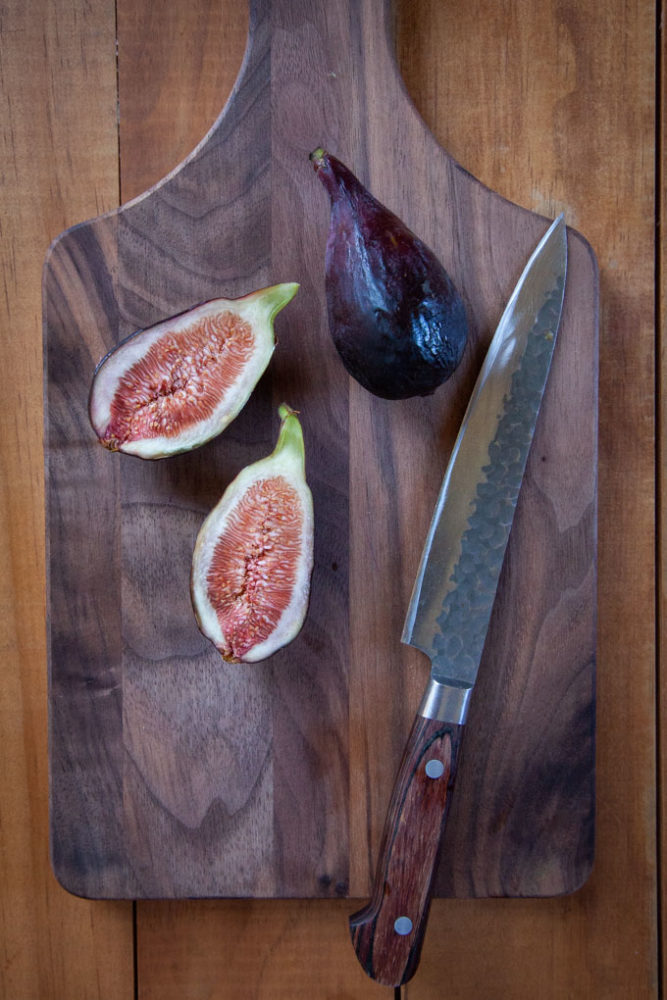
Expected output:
(553, 105)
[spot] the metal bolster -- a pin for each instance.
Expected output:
(445, 702)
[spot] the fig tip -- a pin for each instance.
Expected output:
(285, 410)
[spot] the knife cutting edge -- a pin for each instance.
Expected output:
(451, 604)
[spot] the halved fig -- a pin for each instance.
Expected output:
(253, 556)
(174, 386)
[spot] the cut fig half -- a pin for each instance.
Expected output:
(174, 386)
(253, 556)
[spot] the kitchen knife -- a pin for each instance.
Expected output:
(450, 609)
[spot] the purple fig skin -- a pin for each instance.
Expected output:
(395, 316)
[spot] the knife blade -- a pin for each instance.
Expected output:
(451, 604)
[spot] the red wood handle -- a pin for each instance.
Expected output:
(387, 934)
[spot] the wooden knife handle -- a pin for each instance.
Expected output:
(387, 934)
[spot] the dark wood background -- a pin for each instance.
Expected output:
(545, 68)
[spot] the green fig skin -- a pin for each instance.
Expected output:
(395, 316)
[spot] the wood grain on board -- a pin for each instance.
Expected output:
(192, 777)
(546, 70)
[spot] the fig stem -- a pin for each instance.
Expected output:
(337, 179)
(290, 436)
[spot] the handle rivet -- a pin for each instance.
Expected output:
(435, 768)
(402, 925)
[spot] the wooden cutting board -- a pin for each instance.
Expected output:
(174, 774)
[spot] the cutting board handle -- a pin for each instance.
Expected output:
(349, 43)
(354, 17)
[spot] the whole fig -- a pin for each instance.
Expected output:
(396, 318)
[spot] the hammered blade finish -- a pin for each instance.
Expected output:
(453, 597)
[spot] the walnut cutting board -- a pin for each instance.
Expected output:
(174, 774)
